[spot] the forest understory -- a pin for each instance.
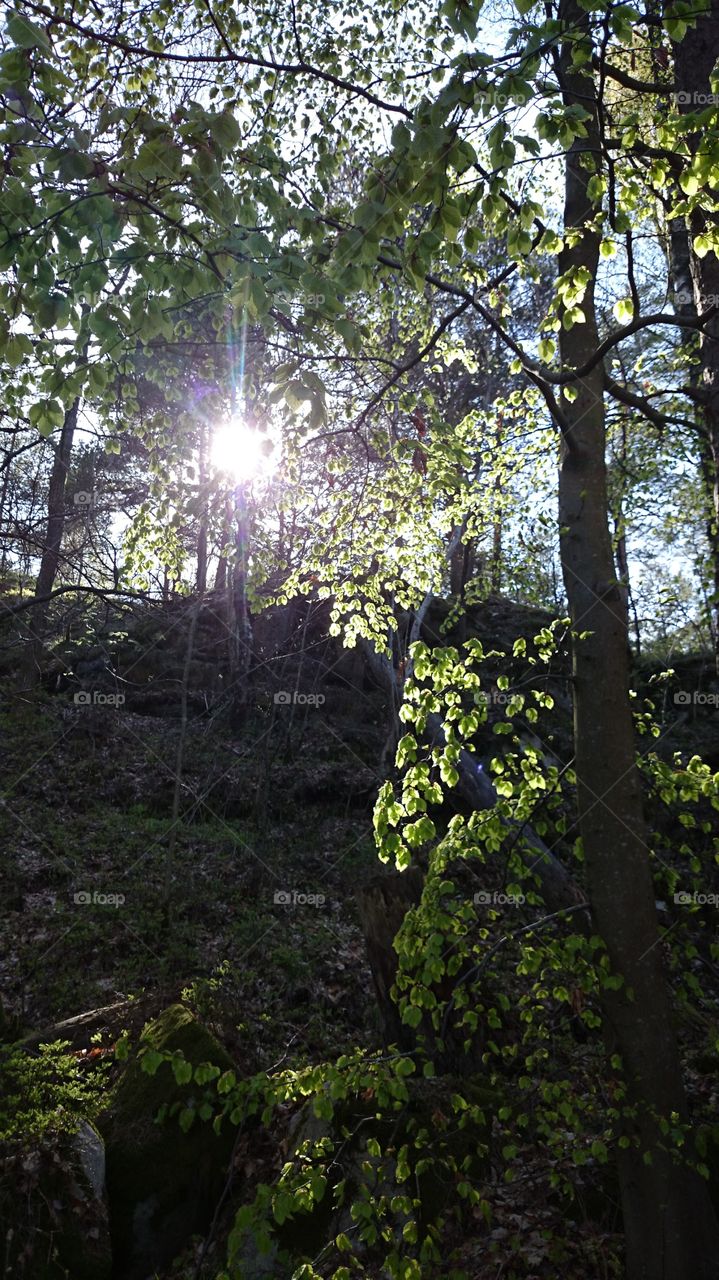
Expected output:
(243, 907)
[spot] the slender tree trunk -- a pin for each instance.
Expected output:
(241, 639)
(52, 543)
(221, 573)
(620, 534)
(694, 61)
(670, 1229)
(202, 531)
(496, 561)
(687, 304)
(7, 472)
(622, 559)
(179, 759)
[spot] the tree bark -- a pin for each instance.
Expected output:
(476, 792)
(202, 531)
(241, 626)
(670, 1228)
(221, 572)
(52, 544)
(694, 60)
(382, 905)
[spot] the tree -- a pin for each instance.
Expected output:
(669, 1223)
(187, 215)
(694, 240)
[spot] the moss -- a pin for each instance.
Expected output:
(162, 1183)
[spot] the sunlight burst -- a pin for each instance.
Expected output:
(242, 452)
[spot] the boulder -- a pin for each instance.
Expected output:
(52, 1202)
(438, 1134)
(163, 1184)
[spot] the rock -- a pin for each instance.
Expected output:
(91, 1152)
(434, 1133)
(52, 1197)
(162, 1184)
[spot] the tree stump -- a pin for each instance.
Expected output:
(383, 904)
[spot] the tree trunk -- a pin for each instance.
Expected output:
(475, 792)
(694, 60)
(670, 1228)
(241, 626)
(382, 905)
(620, 545)
(495, 576)
(52, 544)
(221, 573)
(202, 531)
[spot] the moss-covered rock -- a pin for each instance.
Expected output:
(162, 1183)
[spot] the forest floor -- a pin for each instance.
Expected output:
(243, 907)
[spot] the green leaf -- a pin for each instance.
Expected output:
(25, 34)
(448, 773)
(158, 158)
(226, 1082)
(412, 1015)
(17, 348)
(624, 310)
(704, 243)
(74, 164)
(186, 1119)
(150, 1061)
(225, 131)
(47, 415)
(122, 1047)
(182, 1071)
(572, 316)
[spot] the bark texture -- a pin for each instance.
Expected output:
(698, 287)
(52, 544)
(670, 1229)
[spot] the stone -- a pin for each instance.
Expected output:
(163, 1184)
(52, 1196)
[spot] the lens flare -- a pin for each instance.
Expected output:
(241, 452)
